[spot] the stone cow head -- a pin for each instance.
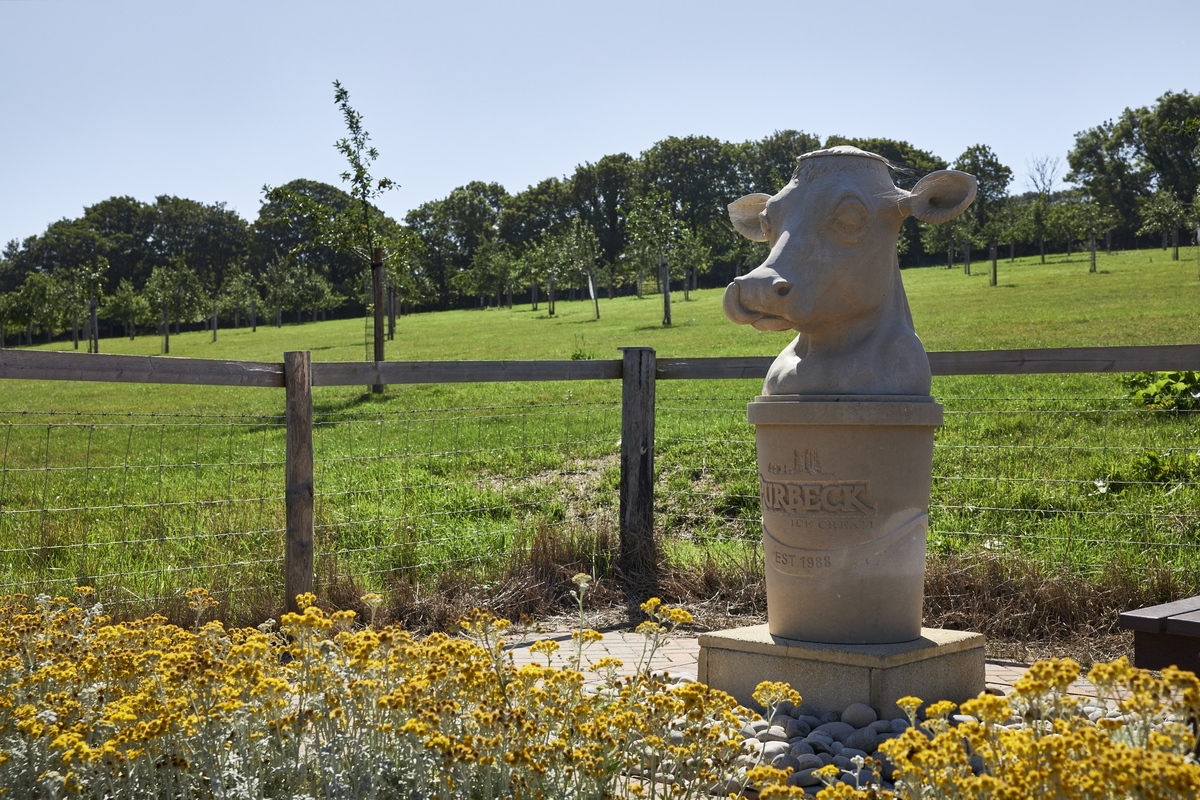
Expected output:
(833, 273)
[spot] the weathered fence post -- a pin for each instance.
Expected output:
(639, 555)
(298, 547)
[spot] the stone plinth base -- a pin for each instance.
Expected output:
(940, 665)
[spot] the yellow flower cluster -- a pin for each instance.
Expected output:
(96, 708)
(1037, 742)
(90, 707)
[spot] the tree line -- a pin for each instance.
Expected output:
(620, 225)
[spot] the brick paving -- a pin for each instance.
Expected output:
(680, 653)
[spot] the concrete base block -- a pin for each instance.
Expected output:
(940, 665)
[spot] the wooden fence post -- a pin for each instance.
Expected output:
(639, 554)
(298, 547)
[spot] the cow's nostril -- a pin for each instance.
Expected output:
(782, 289)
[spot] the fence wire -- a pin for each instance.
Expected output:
(1085, 484)
(145, 506)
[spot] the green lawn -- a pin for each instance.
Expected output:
(147, 490)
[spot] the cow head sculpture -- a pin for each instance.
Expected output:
(833, 275)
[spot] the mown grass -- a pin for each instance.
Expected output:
(147, 490)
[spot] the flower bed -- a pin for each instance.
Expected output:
(320, 708)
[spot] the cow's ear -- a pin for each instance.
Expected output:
(940, 196)
(743, 213)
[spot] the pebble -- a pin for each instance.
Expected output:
(835, 748)
(899, 725)
(859, 715)
(881, 726)
(795, 728)
(772, 750)
(838, 731)
(784, 761)
(772, 734)
(810, 720)
(808, 761)
(829, 716)
(959, 719)
(850, 752)
(804, 777)
(863, 739)
(802, 749)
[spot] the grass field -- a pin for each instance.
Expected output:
(148, 490)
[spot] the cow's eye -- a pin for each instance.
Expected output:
(850, 216)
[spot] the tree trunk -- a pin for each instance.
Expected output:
(591, 276)
(533, 298)
(508, 294)
(166, 323)
(391, 302)
(550, 299)
(967, 256)
(1108, 243)
(1164, 247)
(992, 280)
(95, 344)
(253, 316)
(950, 256)
(1092, 250)
(75, 330)
(214, 321)
(686, 284)
(641, 279)
(1175, 244)
(610, 282)
(664, 280)
(1042, 247)
(279, 315)
(1012, 252)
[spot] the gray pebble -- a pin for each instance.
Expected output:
(959, 719)
(842, 762)
(826, 759)
(804, 777)
(976, 763)
(900, 725)
(747, 732)
(786, 706)
(859, 715)
(772, 750)
(851, 752)
(829, 716)
(808, 761)
(809, 720)
(818, 745)
(759, 725)
(675, 737)
(863, 739)
(838, 731)
(773, 734)
(802, 749)
(881, 726)
(796, 728)
(784, 761)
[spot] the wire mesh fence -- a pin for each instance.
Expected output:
(145, 506)
(140, 504)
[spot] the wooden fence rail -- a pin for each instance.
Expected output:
(638, 370)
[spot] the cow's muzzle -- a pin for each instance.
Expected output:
(736, 311)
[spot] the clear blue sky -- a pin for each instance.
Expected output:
(212, 100)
